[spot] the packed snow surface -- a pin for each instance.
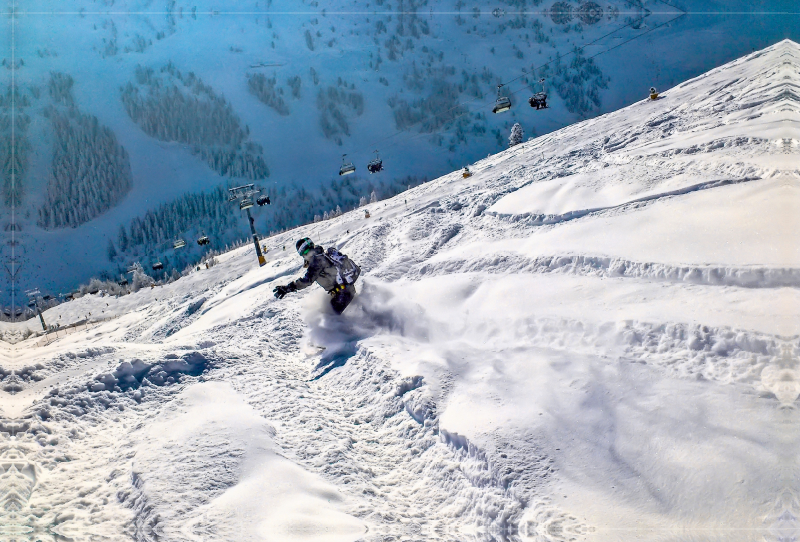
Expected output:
(594, 337)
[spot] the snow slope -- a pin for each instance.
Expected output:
(441, 52)
(594, 337)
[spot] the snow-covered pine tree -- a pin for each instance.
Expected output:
(373, 198)
(516, 135)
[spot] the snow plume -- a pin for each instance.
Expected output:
(376, 310)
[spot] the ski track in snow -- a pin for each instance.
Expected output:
(481, 386)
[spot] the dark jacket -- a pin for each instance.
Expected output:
(318, 268)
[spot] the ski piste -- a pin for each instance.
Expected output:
(595, 333)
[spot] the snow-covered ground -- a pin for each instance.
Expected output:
(447, 53)
(594, 337)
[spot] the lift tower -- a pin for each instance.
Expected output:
(33, 302)
(244, 195)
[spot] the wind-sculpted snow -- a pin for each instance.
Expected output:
(630, 370)
(598, 266)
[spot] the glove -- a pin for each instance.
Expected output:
(281, 291)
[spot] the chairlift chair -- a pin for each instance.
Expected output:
(347, 167)
(245, 203)
(539, 100)
(375, 165)
(203, 240)
(653, 93)
(178, 243)
(502, 104)
(158, 266)
(263, 200)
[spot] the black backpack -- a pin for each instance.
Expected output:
(346, 270)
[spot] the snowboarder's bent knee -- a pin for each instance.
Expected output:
(331, 269)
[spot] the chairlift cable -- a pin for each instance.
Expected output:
(379, 142)
(559, 57)
(514, 92)
(618, 45)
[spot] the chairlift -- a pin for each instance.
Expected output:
(653, 93)
(263, 200)
(502, 104)
(158, 266)
(178, 243)
(375, 165)
(347, 167)
(203, 240)
(539, 100)
(245, 203)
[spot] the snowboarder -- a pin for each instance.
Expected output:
(331, 269)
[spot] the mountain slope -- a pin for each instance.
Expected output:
(298, 85)
(595, 334)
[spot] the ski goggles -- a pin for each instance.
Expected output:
(305, 247)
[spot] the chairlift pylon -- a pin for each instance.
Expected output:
(347, 167)
(502, 104)
(539, 100)
(375, 165)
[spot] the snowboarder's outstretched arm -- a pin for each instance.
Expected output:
(312, 273)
